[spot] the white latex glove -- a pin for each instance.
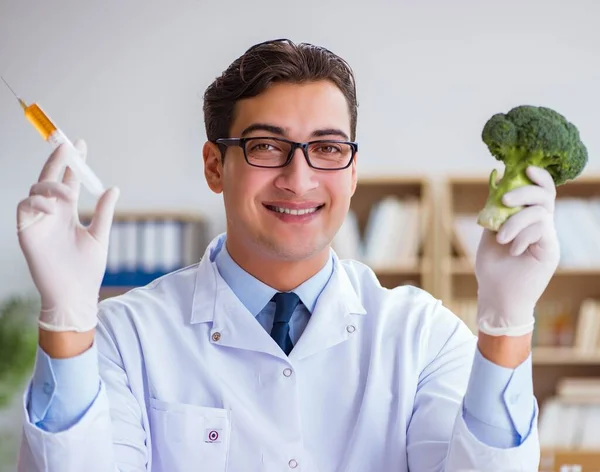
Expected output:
(514, 266)
(67, 261)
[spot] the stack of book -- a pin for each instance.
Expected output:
(571, 419)
(556, 325)
(143, 249)
(577, 224)
(392, 236)
(587, 334)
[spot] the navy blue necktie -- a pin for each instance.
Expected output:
(285, 304)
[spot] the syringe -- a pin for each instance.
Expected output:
(53, 135)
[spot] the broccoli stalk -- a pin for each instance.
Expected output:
(528, 136)
(494, 213)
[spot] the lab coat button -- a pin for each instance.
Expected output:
(216, 336)
(350, 328)
(293, 464)
(287, 372)
(47, 388)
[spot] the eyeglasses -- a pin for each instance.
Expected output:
(278, 152)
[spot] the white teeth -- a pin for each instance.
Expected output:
(289, 211)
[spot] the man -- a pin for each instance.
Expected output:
(271, 354)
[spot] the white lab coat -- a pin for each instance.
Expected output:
(192, 382)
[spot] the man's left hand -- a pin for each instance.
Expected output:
(514, 266)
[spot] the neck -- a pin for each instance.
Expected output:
(282, 275)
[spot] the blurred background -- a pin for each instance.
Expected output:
(128, 77)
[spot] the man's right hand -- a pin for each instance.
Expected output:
(66, 260)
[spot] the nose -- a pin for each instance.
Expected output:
(297, 177)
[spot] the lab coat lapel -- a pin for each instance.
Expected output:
(237, 327)
(233, 325)
(334, 318)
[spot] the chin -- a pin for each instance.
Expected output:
(290, 250)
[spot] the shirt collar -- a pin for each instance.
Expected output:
(255, 294)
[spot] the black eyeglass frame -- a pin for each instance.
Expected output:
(241, 142)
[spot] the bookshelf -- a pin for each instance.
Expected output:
(569, 287)
(557, 351)
(145, 245)
(370, 191)
(417, 268)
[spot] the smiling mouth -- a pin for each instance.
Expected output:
(290, 211)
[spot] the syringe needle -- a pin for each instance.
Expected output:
(9, 87)
(23, 104)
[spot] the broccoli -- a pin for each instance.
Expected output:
(528, 135)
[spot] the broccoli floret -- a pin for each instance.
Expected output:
(528, 135)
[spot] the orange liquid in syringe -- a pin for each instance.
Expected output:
(39, 120)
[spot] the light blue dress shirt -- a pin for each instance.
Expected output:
(499, 403)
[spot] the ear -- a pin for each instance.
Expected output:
(213, 166)
(354, 173)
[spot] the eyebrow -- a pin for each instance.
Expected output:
(319, 133)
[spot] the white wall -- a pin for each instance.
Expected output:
(129, 76)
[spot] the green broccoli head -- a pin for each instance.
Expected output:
(525, 136)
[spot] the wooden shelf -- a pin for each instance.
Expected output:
(576, 272)
(563, 356)
(108, 292)
(463, 266)
(552, 460)
(146, 215)
(371, 190)
(458, 266)
(423, 266)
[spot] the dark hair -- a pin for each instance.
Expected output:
(272, 62)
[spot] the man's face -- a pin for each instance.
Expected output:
(254, 197)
